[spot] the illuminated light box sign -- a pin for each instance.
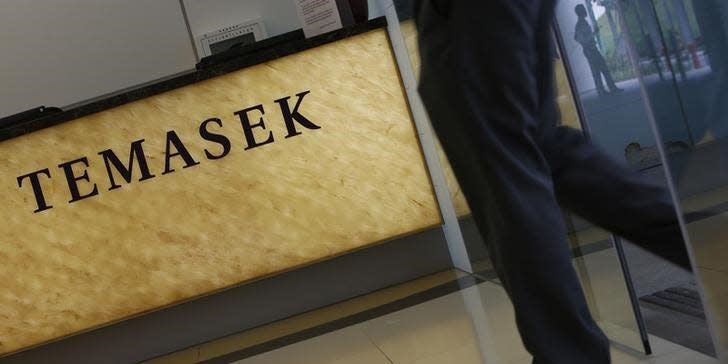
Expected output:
(210, 185)
(409, 33)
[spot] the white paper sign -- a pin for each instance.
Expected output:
(318, 16)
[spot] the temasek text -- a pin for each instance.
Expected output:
(81, 187)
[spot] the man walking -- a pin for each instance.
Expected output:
(487, 84)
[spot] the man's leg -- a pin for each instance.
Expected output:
(596, 73)
(479, 83)
(604, 69)
(605, 192)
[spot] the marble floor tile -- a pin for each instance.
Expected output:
(715, 284)
(454, 324)
(683, 356)
(345, 346)
(472, 353)
(606, 291)
(706, 200)
(423, 330)
(472, 326)
(709, 240)
(306, 320)
(676, 357)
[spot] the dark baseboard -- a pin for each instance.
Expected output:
(237, 309)
(415, 299)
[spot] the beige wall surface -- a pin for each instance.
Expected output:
(56, 53)
(357, 180)
(409, 32)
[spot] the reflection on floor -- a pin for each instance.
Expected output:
(652, 274)
(454, 317)
(617, 120)
(474, 325)
(450, 317)
(709, 240)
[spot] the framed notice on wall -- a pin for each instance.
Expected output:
(318, 16)
(231, 36)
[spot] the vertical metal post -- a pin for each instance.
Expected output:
(673, 190)
(617, 241)
(451, 225)
(634, 302)
(189, 28)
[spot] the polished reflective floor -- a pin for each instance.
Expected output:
(456, 317)
(449, 317)
(473, 325)
(709, 238)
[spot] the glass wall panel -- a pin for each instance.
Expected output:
(648, 77)
(476, 249)
(693, 40)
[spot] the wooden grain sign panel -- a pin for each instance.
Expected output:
(409, 32)
(242, 176)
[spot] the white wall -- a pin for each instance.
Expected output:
(375, 9)
(61, 52)
(278, 16)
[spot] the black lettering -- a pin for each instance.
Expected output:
(217, 138)
(135, 152)
(248, 128)
(37, 189)
(73, 179)
(172, 138)
(290, 116)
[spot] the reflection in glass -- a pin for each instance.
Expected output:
(694, 36)
(584, 35)
(671, 59)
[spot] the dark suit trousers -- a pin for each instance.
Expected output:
(487, 84)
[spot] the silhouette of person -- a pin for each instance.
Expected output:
(584, 35)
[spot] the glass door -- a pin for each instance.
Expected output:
(694, 39)
(651, 76)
